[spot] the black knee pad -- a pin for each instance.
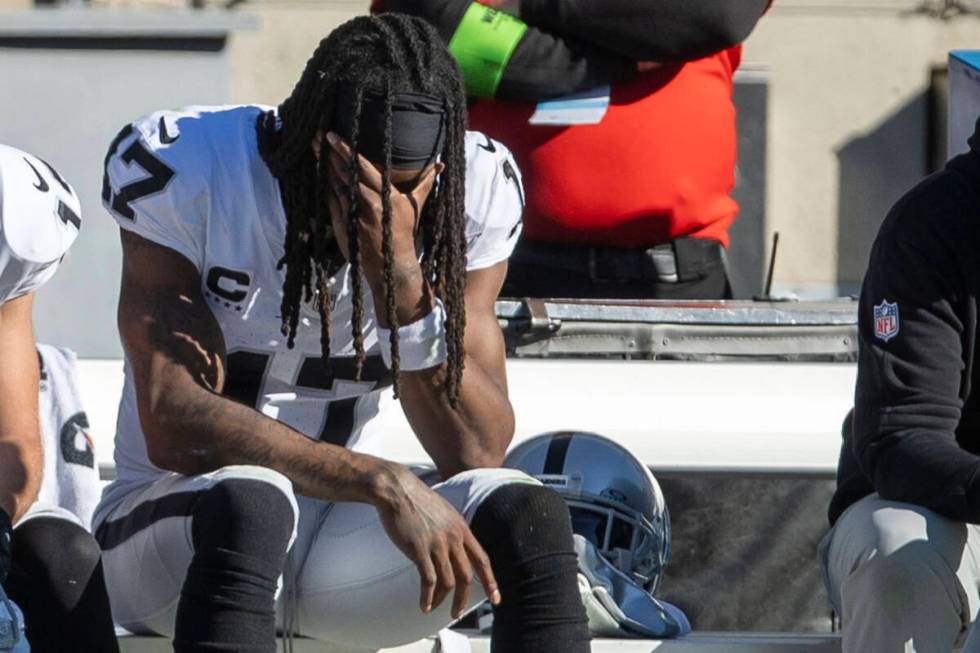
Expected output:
(519, 523)
(246, 516)
(56, 578)
(240, 529)
(55, 551)
(527, 533)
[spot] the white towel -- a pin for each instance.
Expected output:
(71, 476)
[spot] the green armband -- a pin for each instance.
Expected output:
(482, 45)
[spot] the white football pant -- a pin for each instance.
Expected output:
(345, 581)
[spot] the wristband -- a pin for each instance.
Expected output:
(482, 45)
(6, 534)
(421, 344)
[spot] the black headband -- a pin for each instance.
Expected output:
(417, 130)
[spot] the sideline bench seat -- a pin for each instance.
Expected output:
(697, 642)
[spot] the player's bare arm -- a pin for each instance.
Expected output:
(477, 432)
(176, 350)
(20, 441)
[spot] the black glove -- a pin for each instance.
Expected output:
(6, 534)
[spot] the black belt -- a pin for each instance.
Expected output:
(682, 259)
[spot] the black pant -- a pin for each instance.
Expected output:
(581, 272)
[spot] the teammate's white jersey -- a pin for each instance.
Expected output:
(193, 181)
(39, 220)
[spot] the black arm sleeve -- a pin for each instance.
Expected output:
(668, 31)
(909, 399)
(542, 66)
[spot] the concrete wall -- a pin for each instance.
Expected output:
(848, 125)
(266, 63)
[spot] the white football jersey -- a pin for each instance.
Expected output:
(193, 181)
(39, 220)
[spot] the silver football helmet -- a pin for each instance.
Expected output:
(615, 502)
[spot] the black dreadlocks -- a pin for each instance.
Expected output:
(380, 56)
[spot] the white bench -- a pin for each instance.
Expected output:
(734, 416)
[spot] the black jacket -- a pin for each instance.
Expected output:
(915, 435)
(571, 45)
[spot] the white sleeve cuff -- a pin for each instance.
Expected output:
(421, 344)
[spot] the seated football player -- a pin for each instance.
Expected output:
(49, 563)
(280, 267)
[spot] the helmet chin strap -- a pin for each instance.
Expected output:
(621, 559)
(617, 606)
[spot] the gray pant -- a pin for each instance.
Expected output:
(903, 578)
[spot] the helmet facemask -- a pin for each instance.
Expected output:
(626, 539)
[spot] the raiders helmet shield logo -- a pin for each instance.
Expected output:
(886, 320)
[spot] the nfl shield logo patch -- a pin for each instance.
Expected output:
(886, 320)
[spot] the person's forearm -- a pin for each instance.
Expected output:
(474, 434)
(907, 412)
(543, 64)
(926, 469)
(20, 473)
(649, 30)
(21, 457)
(21, 460)
(573, 45)
(205, 431)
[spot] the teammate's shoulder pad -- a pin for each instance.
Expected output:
(175, 136)
(483, 149)
(490, 172)
(494, 201)
(40, 215)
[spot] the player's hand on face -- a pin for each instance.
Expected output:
(429, 531)
(406, 207)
